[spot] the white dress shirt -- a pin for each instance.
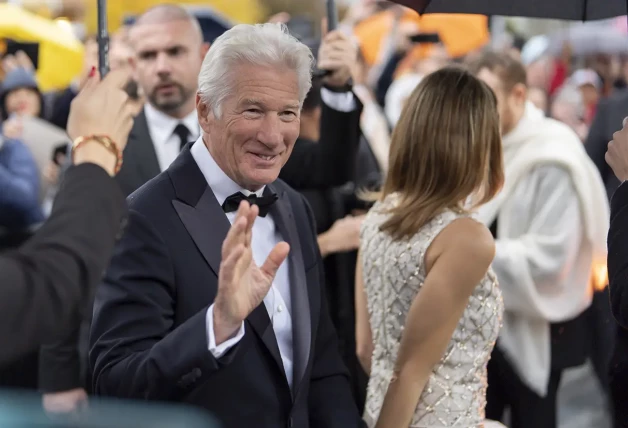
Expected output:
(264, 237)
(161, 129)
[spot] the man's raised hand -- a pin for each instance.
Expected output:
(242, 285)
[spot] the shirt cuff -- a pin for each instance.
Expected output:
(341, 101)
(219, 350)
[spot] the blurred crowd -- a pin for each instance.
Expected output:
(583, 85)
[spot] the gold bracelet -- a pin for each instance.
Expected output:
(104, 141)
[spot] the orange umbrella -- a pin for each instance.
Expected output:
(459, 33)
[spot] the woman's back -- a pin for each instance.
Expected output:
(393, 274)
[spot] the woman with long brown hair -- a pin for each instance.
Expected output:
(428, 306)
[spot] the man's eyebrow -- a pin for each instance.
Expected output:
(251, 101)
(260, 104)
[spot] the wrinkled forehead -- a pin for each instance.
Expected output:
(272, 88)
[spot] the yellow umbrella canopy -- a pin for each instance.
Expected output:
(60, 52)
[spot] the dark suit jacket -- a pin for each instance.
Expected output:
(140, 160)
(46, 279)
(149, 338)
(608, 120)
(328, 162)
(618, 286)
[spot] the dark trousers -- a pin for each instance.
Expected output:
(506, 390)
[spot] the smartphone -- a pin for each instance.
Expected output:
(425, 38)
(30, 49)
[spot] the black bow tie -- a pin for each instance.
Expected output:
(232, 203)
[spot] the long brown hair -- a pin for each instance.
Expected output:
(445, 151)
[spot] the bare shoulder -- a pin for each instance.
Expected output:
(465, 244)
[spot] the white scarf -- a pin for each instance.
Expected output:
(536, 141)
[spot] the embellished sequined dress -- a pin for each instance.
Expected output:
(393, 273)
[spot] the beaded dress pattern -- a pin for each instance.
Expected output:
(393, 273)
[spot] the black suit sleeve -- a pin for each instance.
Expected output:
(135, 349)
(618, 255)
(60, 364)
(330, 162)
(47, 278)
(331, 404)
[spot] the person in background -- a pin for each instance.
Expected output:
(19, 97)
(19, 192)
(589, 84)
(538, 97)
(568, 107)
(550, 222)
(608, 120)
(168, 48)
(44, 282)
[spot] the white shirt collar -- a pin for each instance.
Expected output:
(161, 126)
(220, 183)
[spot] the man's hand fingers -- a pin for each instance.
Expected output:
(333, 36)
(250, 221)
(330, 64)
(323, 27)
(243, 263)
(234, 237)
(276, 257)
(118, 78)
(228, 266)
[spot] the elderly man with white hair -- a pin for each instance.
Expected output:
(214, 295)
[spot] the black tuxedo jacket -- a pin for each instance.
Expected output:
(140, 159)
(149, 337)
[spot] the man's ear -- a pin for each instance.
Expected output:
(204, 48)
(520, 93)
(204, 113)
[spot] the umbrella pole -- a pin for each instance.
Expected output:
(332, 15)
(103, 39)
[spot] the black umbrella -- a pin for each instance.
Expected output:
(575, 10)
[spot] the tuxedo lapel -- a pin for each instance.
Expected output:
(301, 322)
(207, 224)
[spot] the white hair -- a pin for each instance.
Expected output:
(265, 45)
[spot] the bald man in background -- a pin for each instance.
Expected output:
(168, 50)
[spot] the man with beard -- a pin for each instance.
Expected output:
(168, 51)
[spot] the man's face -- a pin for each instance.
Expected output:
(506, 100)
(259, 124)
(168, 59)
